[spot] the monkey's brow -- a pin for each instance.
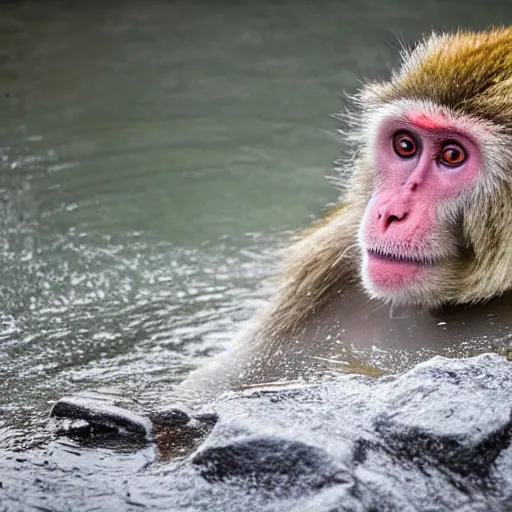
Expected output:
(428, 122)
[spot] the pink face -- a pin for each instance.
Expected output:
(423, 166)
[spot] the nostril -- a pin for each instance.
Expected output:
(391, 219)
(395, 218)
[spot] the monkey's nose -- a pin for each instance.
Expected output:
(387, 218)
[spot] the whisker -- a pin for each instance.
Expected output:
(417, 259)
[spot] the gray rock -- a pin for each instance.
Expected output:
(89, 414)
(436, 438)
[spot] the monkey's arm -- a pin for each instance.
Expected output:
(318, 265)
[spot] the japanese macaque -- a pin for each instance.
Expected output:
(424, 225)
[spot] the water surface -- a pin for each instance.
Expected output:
(152, 157)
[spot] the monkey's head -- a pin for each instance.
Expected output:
(435, 173)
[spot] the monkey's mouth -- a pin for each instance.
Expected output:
(421, 261)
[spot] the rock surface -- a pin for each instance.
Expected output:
(436, 438)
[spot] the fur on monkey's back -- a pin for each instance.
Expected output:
(471, 73)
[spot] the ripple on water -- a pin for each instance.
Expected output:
(91, 311)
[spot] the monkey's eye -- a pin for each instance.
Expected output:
(453, 155)
(405, 145)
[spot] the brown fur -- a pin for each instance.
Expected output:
(469, 73)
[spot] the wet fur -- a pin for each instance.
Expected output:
(468, 77)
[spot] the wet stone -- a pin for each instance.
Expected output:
(208, 418)
(93, 419)
(76, 413)
(436, 438)
(272, 464)
(170, 418)
(458, 414)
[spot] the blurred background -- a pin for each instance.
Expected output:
(153, 155)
